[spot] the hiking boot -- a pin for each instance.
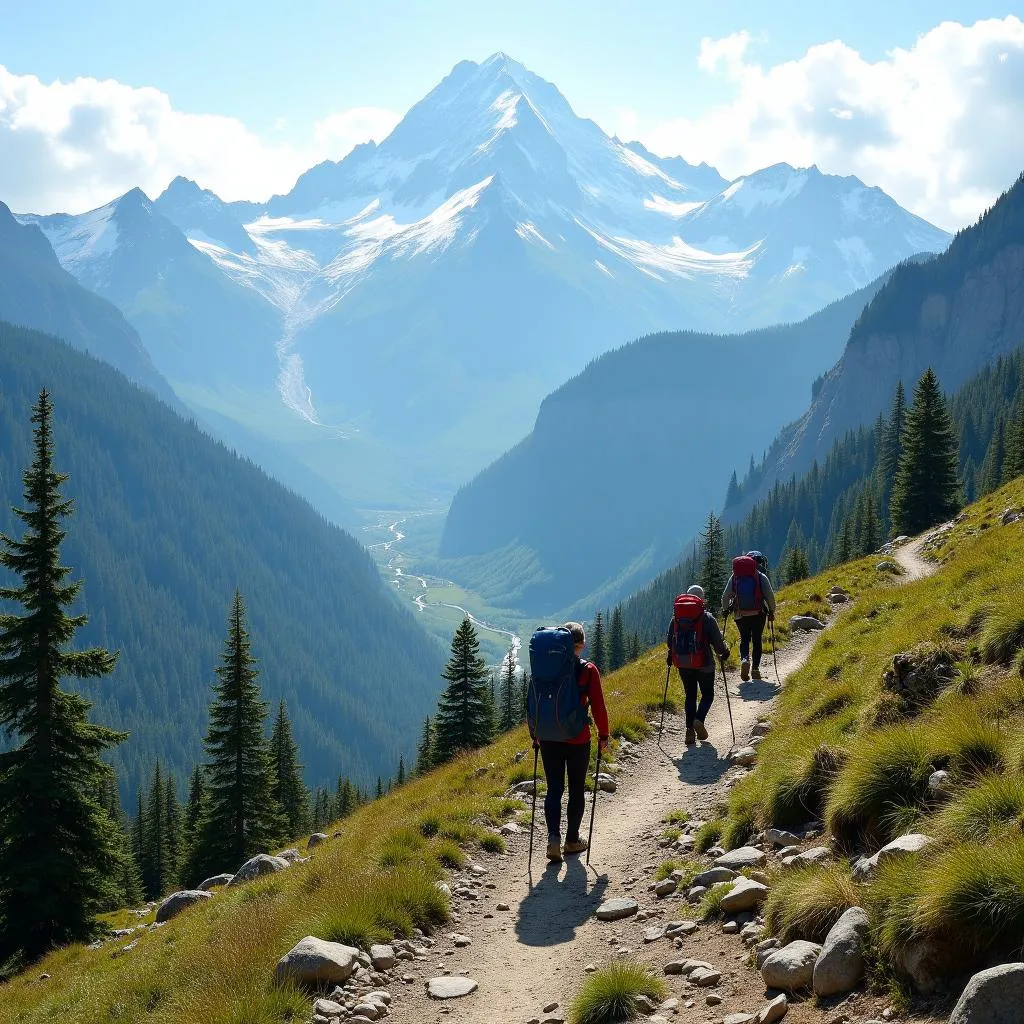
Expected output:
(700, 729)
(755, 673)
(574, 846)
(554, 852)
(744, 670)
(691, 737)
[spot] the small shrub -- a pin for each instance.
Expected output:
(671, 834)
(401, 848)
(507, 808)
(984, 811)
(492, 842)
(609, 995)
(707, 836)
(805, 902)
(676, 817)
(968, 744)
(1002, 635)
(711, 901)
(450, 854)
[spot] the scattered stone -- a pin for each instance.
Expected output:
(994, 996)
(939, 782)
(780, 837)
(808, 623)
(550, 1008)
(674, 928)
(1011, 515)
(383, 957)
(920, 675)
(931, 963)
(673, 967)
(815, 855)
(840, 966)
(713, 999)
(654, 933)
(316, 839)
(744, 895)
(791, 968)
(460, 941)
(705, 977)
(665, 887)
(292, 856)
(670, 1005)
(761, 729)
(730, 928)
(314, 961)
(215, 880)
(838, 598)
(773, 1011)
(616, 909)
(179, 901)
(713, 876)
(589, 969)
(739, 1018)
(527, 787)
(510, 828)
(744, 756)
(789, 851)
(645, 1004)
(908, 844)
(744, 857)
(888, 565)
(503, 906)
(254, 867)
(328, 1008)
(450, 987)
(606, 783)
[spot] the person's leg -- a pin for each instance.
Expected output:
(689, 696)
(554, 757)
(707, 695)
(745, 625)
(757, 629)
(577, 761)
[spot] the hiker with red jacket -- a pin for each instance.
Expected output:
(692, 636)
(751, 599)
(563, 688)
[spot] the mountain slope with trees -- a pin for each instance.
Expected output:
(168, 523)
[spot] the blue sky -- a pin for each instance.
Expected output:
(244, 96)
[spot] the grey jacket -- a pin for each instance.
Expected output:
(767, 596)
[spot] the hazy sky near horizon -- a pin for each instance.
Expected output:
(925, 99)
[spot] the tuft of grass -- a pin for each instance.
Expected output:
(1002, 634)
(711, 901)
(970, 681)
(492, 842)
(401, 847)
(984, 811)
(608, 996)
(450, 854)
(666, 868)
(671, 834)
(707, 836)
(805, 902)
(968, 744)
(430, 825)
(676, 817)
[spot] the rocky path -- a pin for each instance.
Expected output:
(910, 557)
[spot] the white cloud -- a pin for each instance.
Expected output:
(939, 126)
(72, 146)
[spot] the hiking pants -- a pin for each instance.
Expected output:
(694, 680)
(561, 760)
(751, 627)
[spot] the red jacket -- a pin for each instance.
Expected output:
(590, 689)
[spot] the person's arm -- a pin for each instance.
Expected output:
(715, 638)
(727, 596)
(597, 706)
(768, 594)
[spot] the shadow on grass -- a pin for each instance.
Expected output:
(559, 903)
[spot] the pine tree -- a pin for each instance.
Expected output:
(634, 646)
(239, 818)
(59, 852)
(1013, 464)
(463, 716)
(891, 442)
(174, 818)
(509, 710)
(995, 456)
(713, 574)
(155, 864)
(289, 791)
(194, 803)
(926, 490)
(322, 806)
(616, 641)
(380, 788)
(346, 799)
(732, 494)
(425, 751)
(845, 549)
(400, 777)
(795, 566)
(597, 646)
(129, 880)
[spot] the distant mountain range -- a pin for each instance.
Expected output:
(396, 318)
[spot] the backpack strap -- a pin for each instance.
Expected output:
(581, 667)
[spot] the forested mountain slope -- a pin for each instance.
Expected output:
(626, 458)
(167, 523)
(956, 312)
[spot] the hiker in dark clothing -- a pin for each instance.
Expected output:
(569, 760)
(703, 678)
(750, 619)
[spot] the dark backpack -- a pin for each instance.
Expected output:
(746, 586)
(689, 645)
(553, 703)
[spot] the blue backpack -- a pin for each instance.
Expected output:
(556, 712)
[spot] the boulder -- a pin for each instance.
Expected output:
(808, 623)
(606, 783)
(840, 967)
(1011, 515)
(510, 828)
(905, 846)
(995, 996)
(939, 782)
(665, 887)
(704, 977)
(616, 909)
(314, 961)
(773, 1011)
(888, 565)
(450, 987)
(920, 675)
(815, 855)
(261, 864)
(214, 880)
(744, 756)
(179, 901)
(744, 857)
(761, 729)
(383, 957)
(713, 876)
(932, 964)
(791, 968)
(744, 895)
(838, 598)
(316, 839)
(292, 856)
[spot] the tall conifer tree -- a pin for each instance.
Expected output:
(597, 644)
(926, 490)
(175, 826)
(425, 751)
(891, 442)
(463, 719)
(290, 793)
(509, 709)
(59, 848)
(616, 641)
(239, 817)
(156, 861)
(713, 574)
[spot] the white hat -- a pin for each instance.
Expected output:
(697, 590)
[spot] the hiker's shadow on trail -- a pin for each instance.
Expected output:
(701, 765)
(758, 689)
(557, 904)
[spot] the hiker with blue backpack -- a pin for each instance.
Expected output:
(564, 690)
(693, 635)
(750, 598)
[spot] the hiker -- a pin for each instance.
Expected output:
(692, 635)
(751, 599)
(568, 755)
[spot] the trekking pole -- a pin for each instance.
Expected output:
(593, 802)
(533, 812)
(664, 701)
(775, 657)
(728, 701)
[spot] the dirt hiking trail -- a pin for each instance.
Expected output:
(533, 938)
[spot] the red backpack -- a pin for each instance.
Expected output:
(689, 648)
(746, 586)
